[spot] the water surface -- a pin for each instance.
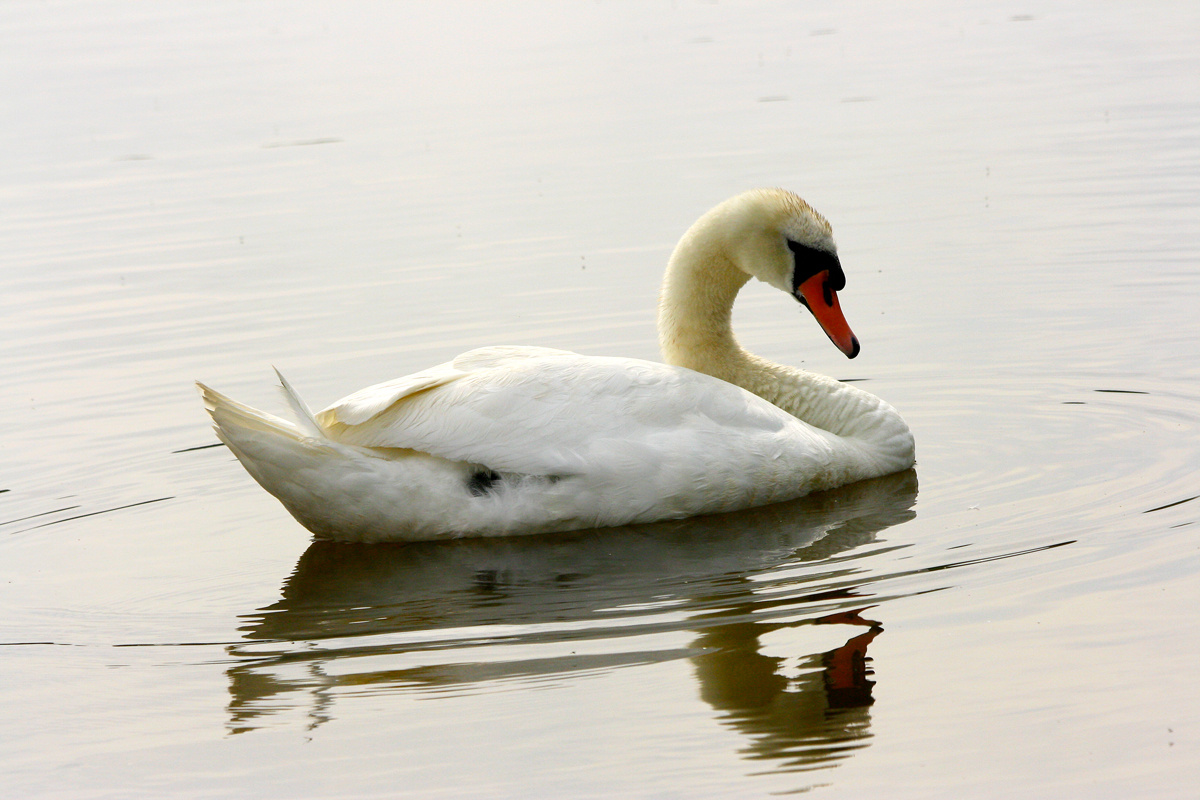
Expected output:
(351, 194)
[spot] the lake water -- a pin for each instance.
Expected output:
(355, 192)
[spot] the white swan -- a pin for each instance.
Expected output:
(518, 440)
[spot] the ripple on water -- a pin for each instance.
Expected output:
(774, 609)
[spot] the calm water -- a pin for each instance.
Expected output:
(205, 190)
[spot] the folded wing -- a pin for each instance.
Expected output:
(551, 412)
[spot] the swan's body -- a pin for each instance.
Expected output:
(518, 440)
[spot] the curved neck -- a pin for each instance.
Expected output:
(695, 311)
(695, 331)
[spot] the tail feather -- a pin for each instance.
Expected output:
(229, 415)
(303, 413)
(293, 461)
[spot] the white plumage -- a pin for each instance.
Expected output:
(519, 440)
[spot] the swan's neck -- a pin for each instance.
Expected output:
(695, 331)
(695, 310)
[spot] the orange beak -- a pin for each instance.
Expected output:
(822, 301)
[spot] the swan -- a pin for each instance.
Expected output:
(521, 440)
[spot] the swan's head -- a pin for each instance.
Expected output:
(773, 235)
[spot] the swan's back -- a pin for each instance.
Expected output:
(554, 413)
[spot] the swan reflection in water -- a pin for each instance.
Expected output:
(411, 618)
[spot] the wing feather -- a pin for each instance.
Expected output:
(550, 412)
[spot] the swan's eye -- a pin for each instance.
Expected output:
(810, 261)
